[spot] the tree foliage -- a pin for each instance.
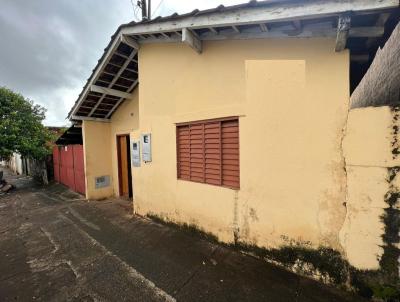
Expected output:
(21, 128)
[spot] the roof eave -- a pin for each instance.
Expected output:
(239, 15)
(264, 12)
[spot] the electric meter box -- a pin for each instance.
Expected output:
(102, 181)
(146, 147)
(135, 153)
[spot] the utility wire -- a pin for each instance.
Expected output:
(136, 10)
(158, 6)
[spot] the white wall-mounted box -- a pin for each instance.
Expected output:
(146, 145)
(136, 153)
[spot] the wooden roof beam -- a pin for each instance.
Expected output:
(120, 100)
(110, 91)
(97, 72)
(129, 41)
(134, 84)
(132, 70)
(120, 55)
(322, 29)
(379, 23)
(305, 32)
(115, 79)
(191, 39)
(342, 32)
(297, 24)
(236, 29)
(114, 107)
(115, 65)
(88, 118)
(109, 73)
(366, 32)
(213, 30)
(263, 27)
(94, 108)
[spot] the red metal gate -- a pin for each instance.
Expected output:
(79, 170)
(69, 168)
(56, 163)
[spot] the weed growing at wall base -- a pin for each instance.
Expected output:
(324, 264)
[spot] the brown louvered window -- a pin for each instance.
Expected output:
(208, 152)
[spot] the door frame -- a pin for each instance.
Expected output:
(128, 154)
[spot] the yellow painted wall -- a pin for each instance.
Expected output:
(369, 137)
(97, 157)
(311, 171)
(100, 147)
(368, 144)
(292, 99)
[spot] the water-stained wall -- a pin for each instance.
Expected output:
(371, 162)
(291, 97)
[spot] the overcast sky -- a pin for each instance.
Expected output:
(48, 48)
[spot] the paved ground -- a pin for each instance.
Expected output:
(55, 246)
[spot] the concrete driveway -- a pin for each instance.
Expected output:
(55, 246)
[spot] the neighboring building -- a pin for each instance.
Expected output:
(42, 169)
(17, 164)
(238, 121)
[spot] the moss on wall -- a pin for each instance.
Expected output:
(322, 263)
(189, 228)
(395, 131)
(388, 281)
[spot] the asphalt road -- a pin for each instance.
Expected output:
(56, 246)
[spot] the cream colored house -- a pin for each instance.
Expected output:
(233, 120)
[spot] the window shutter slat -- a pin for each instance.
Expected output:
(213, 154)
(196, 152)
(183, 144)
(208, 152)
(230, 153)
